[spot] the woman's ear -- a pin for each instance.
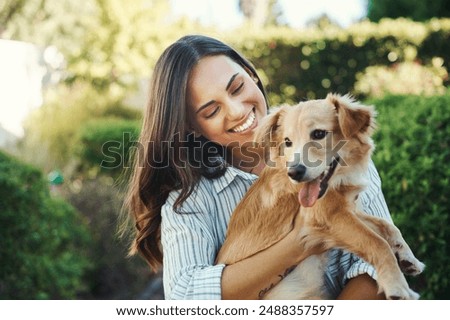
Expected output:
(251, 74)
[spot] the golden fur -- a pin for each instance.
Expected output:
(267, 212)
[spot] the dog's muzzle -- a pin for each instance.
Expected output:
(314, 189)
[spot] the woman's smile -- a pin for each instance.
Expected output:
(249, 123)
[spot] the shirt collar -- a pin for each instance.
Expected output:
(230, 174)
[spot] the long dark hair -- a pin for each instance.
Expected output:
(169, 158)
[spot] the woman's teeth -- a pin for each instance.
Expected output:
(246, 125)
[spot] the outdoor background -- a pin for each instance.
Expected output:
(73, 76)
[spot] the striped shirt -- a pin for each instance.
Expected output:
(191, 241)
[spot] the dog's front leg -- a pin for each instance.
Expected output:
(408, 263)
(352, 234)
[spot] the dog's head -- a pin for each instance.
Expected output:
(319, 143)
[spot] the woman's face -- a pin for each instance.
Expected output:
(225, 104)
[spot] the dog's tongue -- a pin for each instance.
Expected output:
(309, 193)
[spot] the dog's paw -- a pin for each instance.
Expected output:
(395, 287)
(400, 293)
(409, 264)
(404, 295)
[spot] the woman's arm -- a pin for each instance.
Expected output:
(362, 287)
(252, 277)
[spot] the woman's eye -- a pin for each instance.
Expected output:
(238, 89)
(287, 142)
(213, 113)
(318, 134)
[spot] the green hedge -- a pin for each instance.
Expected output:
(299, 64)
(104, 145)
(43, 239)
(413, 156)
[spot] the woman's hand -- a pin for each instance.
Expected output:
(301, 239)
(252, 277)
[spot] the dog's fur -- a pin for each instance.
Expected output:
(267, 212)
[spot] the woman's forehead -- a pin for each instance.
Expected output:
(213, 68)
(210, 77)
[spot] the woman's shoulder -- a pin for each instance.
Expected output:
(201, 194)
(195, 212)
(207, 191)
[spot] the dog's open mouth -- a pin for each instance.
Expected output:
(315, 189)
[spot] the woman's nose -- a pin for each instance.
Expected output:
(236, 110)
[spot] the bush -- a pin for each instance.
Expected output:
(298, 64)
(43, 240)
(412, 156)
(115, 276)
(104, 145)
(51, 130)
(403, 78)
(416, 9)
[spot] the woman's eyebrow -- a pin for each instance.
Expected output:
(204, 106)
(231, 80)
(212, 101)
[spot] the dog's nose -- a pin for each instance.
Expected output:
(297, 172)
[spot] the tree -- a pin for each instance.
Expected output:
(275, 15)
(418, 10)
(321, 22)
(9, 9)
(104, 42)
(43, 22)
(260, 13)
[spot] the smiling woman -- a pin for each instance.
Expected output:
(205, 101)
(234, 103)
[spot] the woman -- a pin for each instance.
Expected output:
(197, 162)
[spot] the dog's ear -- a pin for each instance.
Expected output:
(266, 131)
(353, 118)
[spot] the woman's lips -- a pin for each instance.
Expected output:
(247, 124)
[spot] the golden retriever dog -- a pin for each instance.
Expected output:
(319, 152)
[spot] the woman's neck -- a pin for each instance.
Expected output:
(248, 159)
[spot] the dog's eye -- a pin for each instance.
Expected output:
(287, 142)
(318, 134)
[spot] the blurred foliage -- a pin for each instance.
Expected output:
(114, 276)
(123, 36)
(402, 78)
(104, 146)
(17, 11)
(309, 63)
(412, 156)
(51, 131)
(417, 10)
(261, 13)
(104, 41)
(43, 253)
